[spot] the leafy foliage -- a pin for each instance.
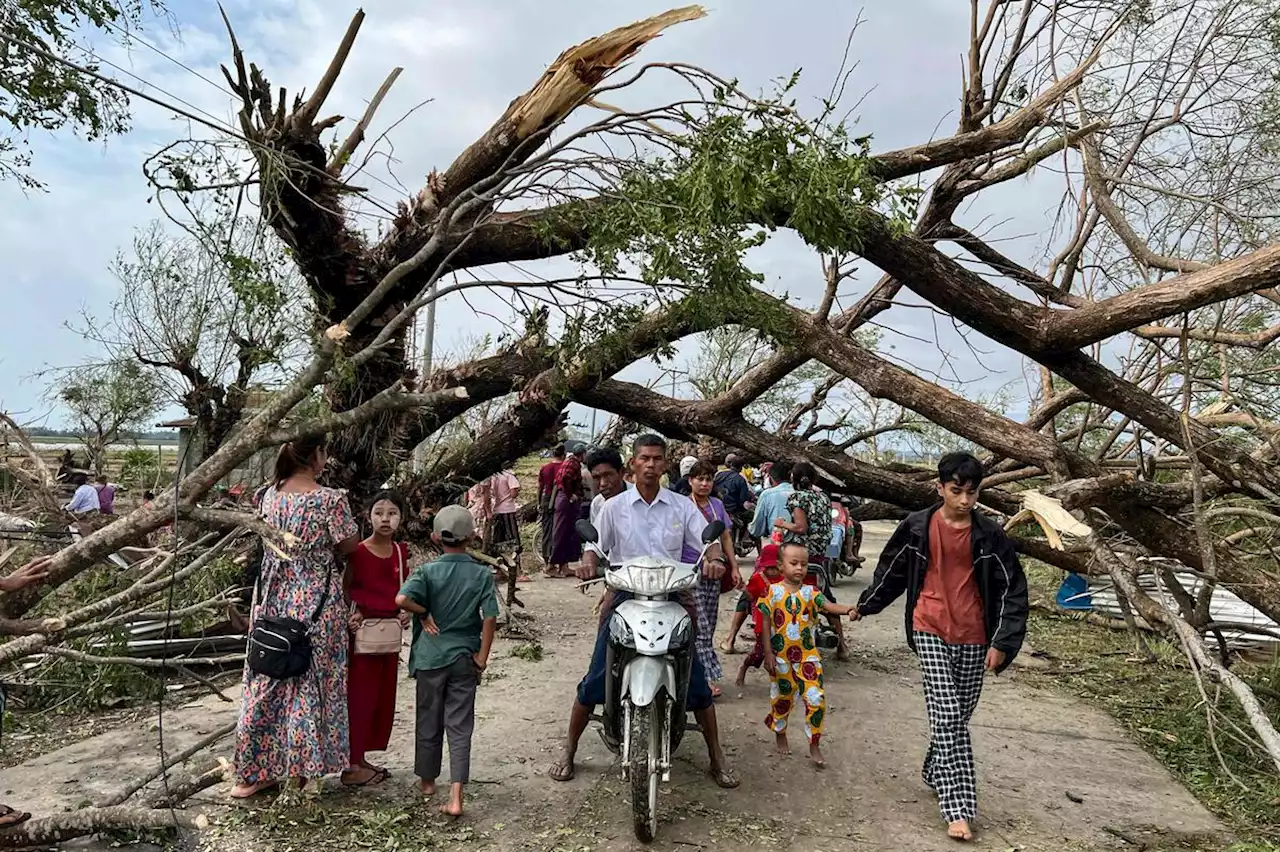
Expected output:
(755, 161)
(106, 402)
(37, 93)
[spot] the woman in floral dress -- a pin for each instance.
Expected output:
(297, 728)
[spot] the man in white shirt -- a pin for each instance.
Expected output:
(647, 520)
(85, 500)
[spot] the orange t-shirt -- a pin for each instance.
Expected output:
(950, 606)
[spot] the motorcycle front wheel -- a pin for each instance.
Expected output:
(646, 752)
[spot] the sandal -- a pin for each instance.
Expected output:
(248, 791)
(10, 817)
(378, 776)
(724, 778)
(562, 770)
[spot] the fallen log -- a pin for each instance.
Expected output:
(48, 831)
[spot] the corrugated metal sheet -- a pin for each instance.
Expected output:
(1224, 606)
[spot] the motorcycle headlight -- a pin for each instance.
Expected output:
(681, 635)
(620, 632)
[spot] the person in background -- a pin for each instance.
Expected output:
(377, 570)
(810, 524)
(504, 491)
(765, 575)
(566, 545)
(106, 496)
(966, 612)
(773, 502)
(771, 505)
(457, 608)
(546, 499)
(681, 485)
(297, 728)
(733, 489)
(605, 467)
(85, 499)
(707, 596)
(33, 572)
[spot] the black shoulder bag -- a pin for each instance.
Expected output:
(280, 647)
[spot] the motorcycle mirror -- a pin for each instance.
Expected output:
(586, 531)
(714, 530)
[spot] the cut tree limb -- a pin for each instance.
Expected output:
(48, 831)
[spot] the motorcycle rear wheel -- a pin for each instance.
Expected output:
(646, 751)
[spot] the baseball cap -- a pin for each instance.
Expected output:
(454, 525)
(768, 557)
(686, 464)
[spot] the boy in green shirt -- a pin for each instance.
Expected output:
(457, 615)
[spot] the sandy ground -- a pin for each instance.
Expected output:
(1033, 748)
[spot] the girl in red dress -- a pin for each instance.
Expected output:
(379, 568)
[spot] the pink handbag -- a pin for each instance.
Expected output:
(381, 635)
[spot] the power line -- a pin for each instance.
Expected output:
(204, 122)
(221, 88)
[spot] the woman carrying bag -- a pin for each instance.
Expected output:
(293, 714)
(379, 568)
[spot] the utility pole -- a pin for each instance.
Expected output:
(428, 346)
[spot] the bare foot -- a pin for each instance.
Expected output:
(741, 680)
(784, 748)
(815, 754)
(426, 788)
(842, 653)
(453, 807)
(959, 830)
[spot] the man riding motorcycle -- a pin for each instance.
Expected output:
(647, 520)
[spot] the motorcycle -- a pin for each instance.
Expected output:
(845, 562)
(743, 541)
(648, 664)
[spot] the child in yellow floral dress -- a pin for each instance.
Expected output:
(790, 610)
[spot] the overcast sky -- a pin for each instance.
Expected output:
(472, 58)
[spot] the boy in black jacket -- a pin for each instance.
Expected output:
(966, 612)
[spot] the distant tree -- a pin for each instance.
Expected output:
(107, 402)
(213, 313)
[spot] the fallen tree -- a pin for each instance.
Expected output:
(1149, 329)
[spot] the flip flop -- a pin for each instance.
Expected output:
(10, 817)
(255, 789)
(562, 771)
(725, 778)
(373, 780)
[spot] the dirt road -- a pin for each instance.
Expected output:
(1033, 748)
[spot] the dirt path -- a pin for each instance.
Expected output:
(1033, 748)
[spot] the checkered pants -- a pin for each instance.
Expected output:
(704, 637)
(952, 686)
